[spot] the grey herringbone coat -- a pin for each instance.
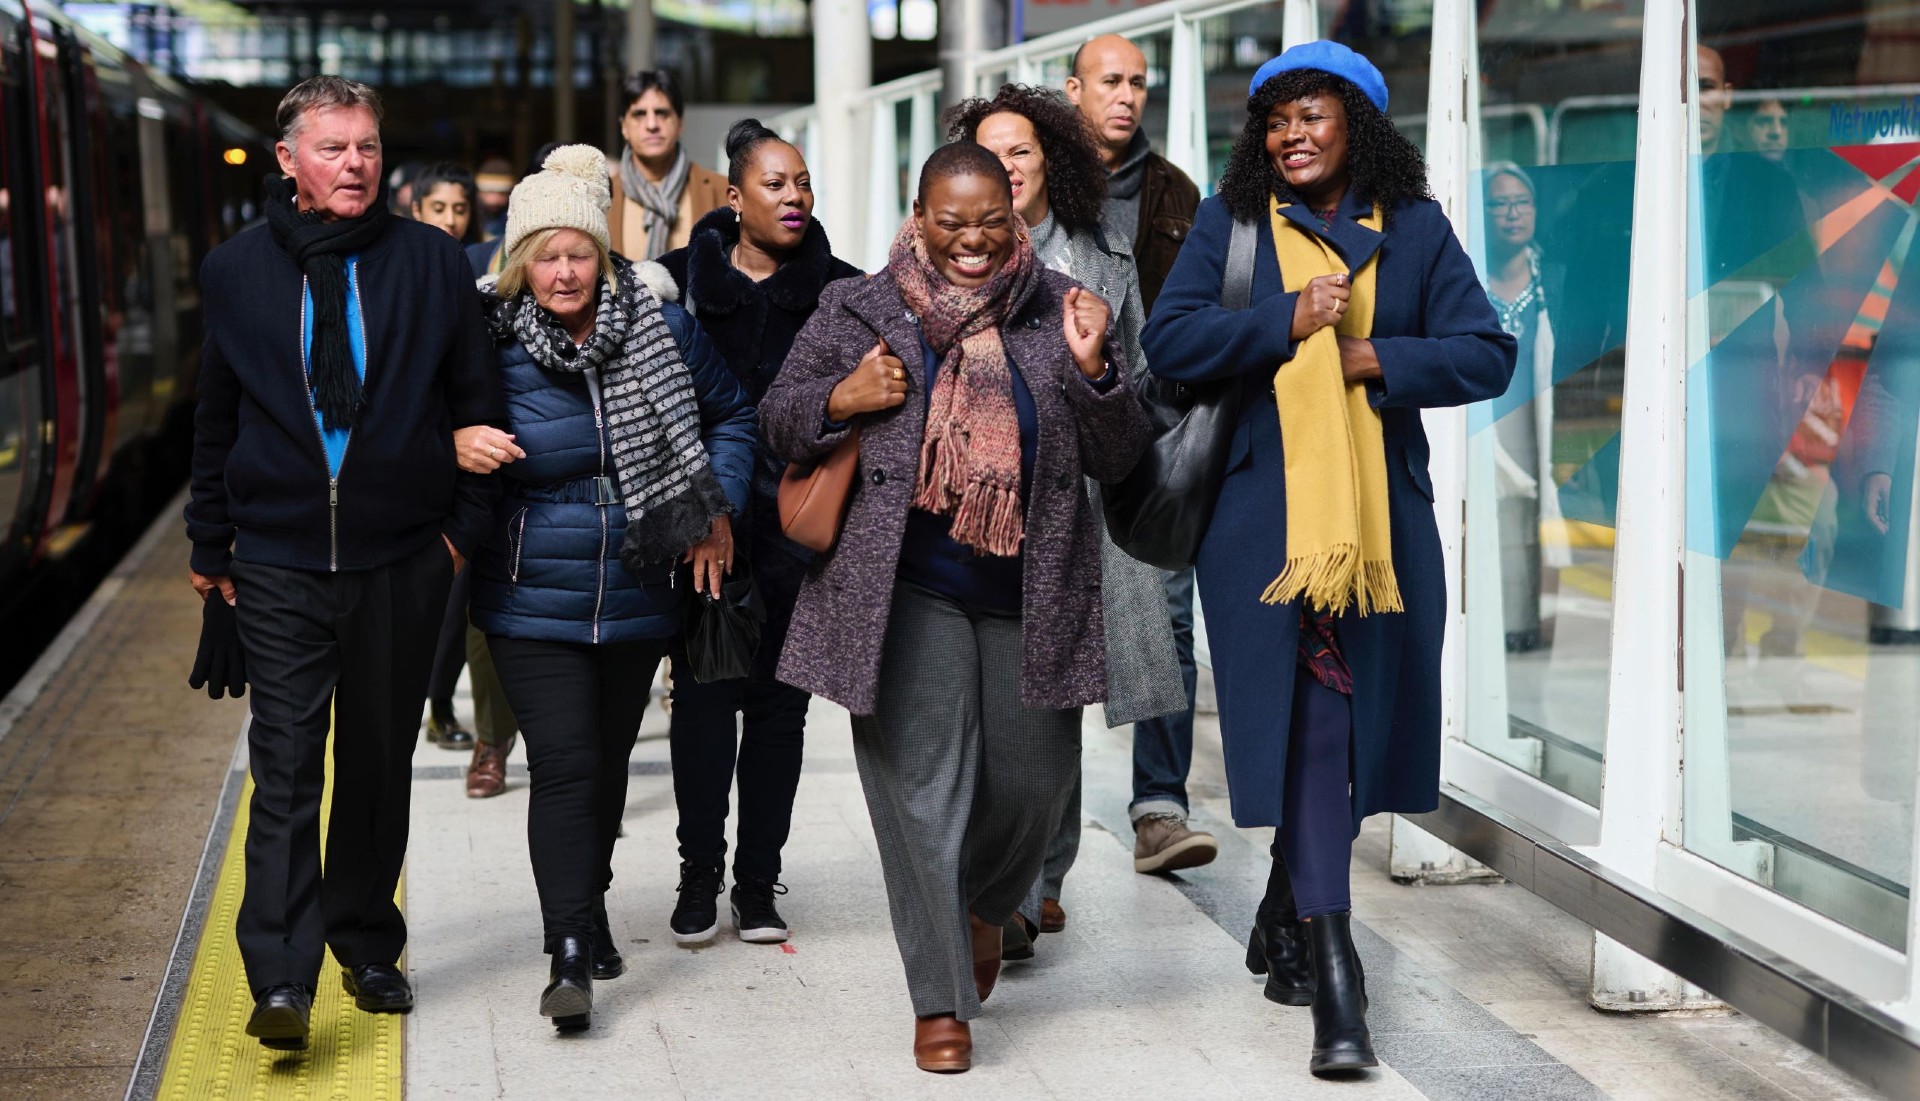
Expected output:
(840, 621)
(1143, 669)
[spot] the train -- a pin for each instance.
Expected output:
(116, 182)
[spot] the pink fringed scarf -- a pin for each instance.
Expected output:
(970, 457)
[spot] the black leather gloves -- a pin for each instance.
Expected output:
(221, 664)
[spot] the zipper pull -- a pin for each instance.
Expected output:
(333, 492)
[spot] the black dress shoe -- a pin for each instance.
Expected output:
(377, 987)
(1341, 1042)
(607, 963)
(568, 998)
(280, 1015)
(1278, 947)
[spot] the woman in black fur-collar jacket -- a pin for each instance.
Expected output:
(752, 274)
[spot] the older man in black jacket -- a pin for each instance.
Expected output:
(343, 347)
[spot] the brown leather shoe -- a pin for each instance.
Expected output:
(942, 1044)
(487, 775)
(1052, 917)
(986, 955)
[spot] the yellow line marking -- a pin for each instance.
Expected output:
(350, 1055)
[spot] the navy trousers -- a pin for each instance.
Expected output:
(1316, 819)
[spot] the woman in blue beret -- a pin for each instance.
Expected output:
(1321, 570)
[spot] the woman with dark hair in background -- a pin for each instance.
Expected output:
(444, 195)
(1321, 569)
(752, 272)
(1059, 191)
(958, 616)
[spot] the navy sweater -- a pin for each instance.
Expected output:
(261, 490)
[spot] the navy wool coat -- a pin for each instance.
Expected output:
(550, 570)
(840, 622)
(1439, 344)
(753, 325)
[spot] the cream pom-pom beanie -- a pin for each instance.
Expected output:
(572, 191)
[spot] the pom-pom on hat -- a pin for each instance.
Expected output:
(1328, 57)
(572, 190)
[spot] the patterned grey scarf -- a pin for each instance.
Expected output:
(659, 201)
(653, 415)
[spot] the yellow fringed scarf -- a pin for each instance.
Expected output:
(1339, 539)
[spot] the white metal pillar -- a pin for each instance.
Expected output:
(1415, 854)
(563, 101)
(640, 36)
(1641, 799)
(842, 70)
(1300, 22)
(968, 28)
(1187, 103)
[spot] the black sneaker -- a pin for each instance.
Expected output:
(696, 917)
(753, 914)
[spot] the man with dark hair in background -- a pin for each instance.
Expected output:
(658, 192)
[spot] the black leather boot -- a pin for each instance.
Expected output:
(1278, 947)
(607, 963)
(1341, 1042)
(568, 999)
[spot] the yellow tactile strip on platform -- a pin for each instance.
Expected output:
(350, 1055)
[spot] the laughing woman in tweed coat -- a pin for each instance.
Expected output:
(958, 617)
(1059, 187)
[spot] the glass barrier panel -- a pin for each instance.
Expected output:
(1803, 396)
(1549, 229)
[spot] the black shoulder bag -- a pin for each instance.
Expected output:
(1159, 513)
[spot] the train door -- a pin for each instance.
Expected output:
(27, 412)
(61, 271)
(90, 295)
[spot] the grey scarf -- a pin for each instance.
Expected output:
(1121, 214)
(660, 202)
(653, 415)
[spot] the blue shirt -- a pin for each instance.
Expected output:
(334, 440)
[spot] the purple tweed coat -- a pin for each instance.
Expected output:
(833, 648)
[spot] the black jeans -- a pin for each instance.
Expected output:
(579, 707)
(450, 653)
(350, 652)
(710, 748)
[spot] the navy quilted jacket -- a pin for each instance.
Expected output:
(550, 569)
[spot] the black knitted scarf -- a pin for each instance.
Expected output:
(320, 248)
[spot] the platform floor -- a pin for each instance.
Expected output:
(115, 780)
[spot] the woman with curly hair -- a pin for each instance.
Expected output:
(1320, 568)
(1059, 190)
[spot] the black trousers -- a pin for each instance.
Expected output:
(450, 652)
(710, 748)
(351, 651)
(579, 707)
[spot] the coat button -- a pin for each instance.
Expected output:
(1033, 322)
(1063, 481)
(879, 477)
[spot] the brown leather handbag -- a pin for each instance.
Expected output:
(814, 497)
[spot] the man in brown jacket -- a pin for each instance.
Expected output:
(658, 191)
(1149, 203)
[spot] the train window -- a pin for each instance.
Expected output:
(17, 315)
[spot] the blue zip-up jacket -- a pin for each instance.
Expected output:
(262, 488)
(550, 569)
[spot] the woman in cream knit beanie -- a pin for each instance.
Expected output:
(571, 191)
(628, 446)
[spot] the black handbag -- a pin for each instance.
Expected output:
(1160, 511)
(721, 636)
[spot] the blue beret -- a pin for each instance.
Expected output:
(1327, 57)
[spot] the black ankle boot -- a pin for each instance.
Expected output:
(607, 963)
(568, 999)
(1341, 1042)
(1278, 947)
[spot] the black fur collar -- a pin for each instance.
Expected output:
(716, 286)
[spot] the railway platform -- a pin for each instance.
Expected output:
(121, 814)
